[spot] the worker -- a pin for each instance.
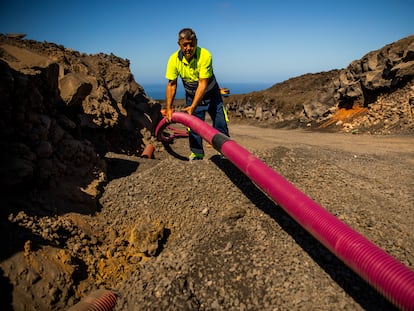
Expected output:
(194, 65)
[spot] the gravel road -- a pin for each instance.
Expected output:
(226, 246)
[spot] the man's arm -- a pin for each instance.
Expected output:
(170, 92)
(198, 96)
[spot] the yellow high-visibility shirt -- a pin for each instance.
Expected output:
(200, 66)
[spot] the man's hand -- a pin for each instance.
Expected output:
(201, 88)
(189, 109)
(170, 91)
(168, 114)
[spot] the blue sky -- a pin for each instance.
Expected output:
(251, 41)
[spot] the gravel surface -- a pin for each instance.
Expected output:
(214, 241)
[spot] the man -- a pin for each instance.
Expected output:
(202, 93)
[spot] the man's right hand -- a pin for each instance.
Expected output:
(170, 91)
(168, 114)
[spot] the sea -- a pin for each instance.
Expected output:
(157, 90)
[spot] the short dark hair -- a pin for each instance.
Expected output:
(187, 33)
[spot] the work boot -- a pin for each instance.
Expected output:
(195, 156)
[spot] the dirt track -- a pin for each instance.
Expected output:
(257, 138)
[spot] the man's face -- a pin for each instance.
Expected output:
(188, 47)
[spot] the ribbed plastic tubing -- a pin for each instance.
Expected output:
(99, 300)
(387, 275)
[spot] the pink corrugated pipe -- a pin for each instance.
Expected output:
(148, 151)
(99, 300)
(385, 273)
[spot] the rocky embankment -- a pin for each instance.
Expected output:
(63, 110)
(373, 94)
(81, 210)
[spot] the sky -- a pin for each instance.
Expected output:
(257, 41)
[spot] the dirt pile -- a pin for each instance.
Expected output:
(83, 211)
(62, 112)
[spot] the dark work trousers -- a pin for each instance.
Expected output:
(213, 104)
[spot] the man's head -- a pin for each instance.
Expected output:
(187, 40)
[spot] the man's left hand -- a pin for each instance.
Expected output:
(189, 109)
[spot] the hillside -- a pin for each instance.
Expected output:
(372, 95)
(82, 210)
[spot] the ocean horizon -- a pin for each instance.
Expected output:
(157, 90)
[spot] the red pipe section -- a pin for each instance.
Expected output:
(148, 151)
(100, 300)
(385, 273)
(178, 132)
